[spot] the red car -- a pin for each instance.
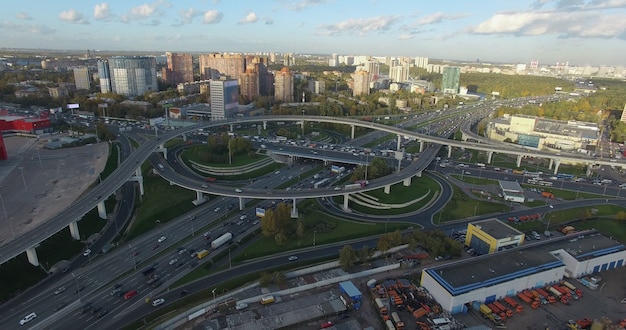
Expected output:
(327, 324)
(156, 246)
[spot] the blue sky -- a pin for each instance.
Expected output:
(517, 31)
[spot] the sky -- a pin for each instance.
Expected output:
(581, 32)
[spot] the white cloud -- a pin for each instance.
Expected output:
(405, 36)
(187, 16)
(72, 16)
(438, 17)
(306, 3)
(32, 28)
(24, 16)
(212, 17)
(250, 18)
(564, 24)
(360, 26)
(102, 12)
(145, 11)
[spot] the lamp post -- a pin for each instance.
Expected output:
(6, 216)
(132, 251)
(230, 262)
(23, 179)
(475, 208)
(213, 291)
(577, 191)
(77, 287)
(314, 232)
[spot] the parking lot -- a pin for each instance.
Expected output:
(595, 304)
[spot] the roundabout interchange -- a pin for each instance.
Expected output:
(99, 274)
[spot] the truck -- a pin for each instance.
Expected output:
(547, 194)
(488, 313)
(202, 254)
(554, 291)
(587, 282)
(397, 321)
(566, 230)
(221, 240)
(352, 186)
(210, 179)
(381, 307)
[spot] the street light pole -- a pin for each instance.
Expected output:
(23, 179)
(230, 263)
(314, 232)
(6, 216)
(77, 287)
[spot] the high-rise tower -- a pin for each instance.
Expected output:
(133, 75)
(283, 86)
(179, 68)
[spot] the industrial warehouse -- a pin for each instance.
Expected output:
(469, 283)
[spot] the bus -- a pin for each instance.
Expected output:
(267, 300)
(130, 294)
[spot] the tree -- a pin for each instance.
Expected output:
(385, 242)
(347, 257)
(364, 254)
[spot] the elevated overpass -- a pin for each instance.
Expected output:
(130, 170)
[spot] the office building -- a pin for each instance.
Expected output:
(361, 83)
(283, 86)
(82, 80)
(179, 68)
(132, 75)
(214, 66)
(224, 98)
(450, 80)
(105, 77)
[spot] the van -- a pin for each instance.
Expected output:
(28, 318)
(536, 235)
(267, 300)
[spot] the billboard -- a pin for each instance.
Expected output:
(260, 212)
(72, 106)
(231, 94)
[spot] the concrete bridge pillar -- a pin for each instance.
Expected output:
(399, 165)
(232, 127)
(489, 156)
(407, 182)
(449, 151)
(102, 211)
(138, 178)
(352, 131)
(551, 163)
(418, 174)
(557, 162)
(387, 189)
(294, 210)
(422, 145)
(398, 143)
(163, 149)
(32, 256)
(184, 137)
(589, 168)
(200, 198)
(242, 203)
(265, 125)
(519, 160)
(74, 230)
(346, 198)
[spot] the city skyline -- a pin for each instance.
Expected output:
(581, 32)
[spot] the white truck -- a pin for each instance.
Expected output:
(221, 240)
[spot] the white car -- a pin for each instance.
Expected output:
(293, 258)
(243, 217)
(238, 190)
(87, 253)
(337, 188)
(158, 302)
(217, 209)
(173, 261)
(162, 239)
(28, 318)
(59, 290)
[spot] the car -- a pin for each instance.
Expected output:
(217, 209)
(243, 217)
(102, 313)
(28, 318)
(173, 261)
(240, 222)
(60, 306)
(155, 246)
(193, 264)
(182, 251)
(277, 172)
(135, 253)
(194, 254)
(87, 253)
(158, 302)
(292, 258)
(79, 289)
(162, 239)
(184, 293)
(238, 190)
(60, 290)
(207, 234)
(115, 291)
(205, 185)
(337, 188)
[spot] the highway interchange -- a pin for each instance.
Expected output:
(124, 264)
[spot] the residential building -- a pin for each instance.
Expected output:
(317, 86)
(283, 86)
(105, 77)
(450, 80)
(399, 72)
(249, 83)
(224, 98)
(82, 79)
(214, 66)
(421, 62)
(179, 68)
(361, 83)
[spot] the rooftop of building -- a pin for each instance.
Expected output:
(471, 274)
(11, 117)
(510, 186)
(496, 228)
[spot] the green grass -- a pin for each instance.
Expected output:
(579, 213)
(462, 206)
(610, 227)
(380, 140)
(564, 194)
(161, 201)
(195, 153)
(399, 194)
(474, 180)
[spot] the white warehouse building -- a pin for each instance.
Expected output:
(460, 285)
